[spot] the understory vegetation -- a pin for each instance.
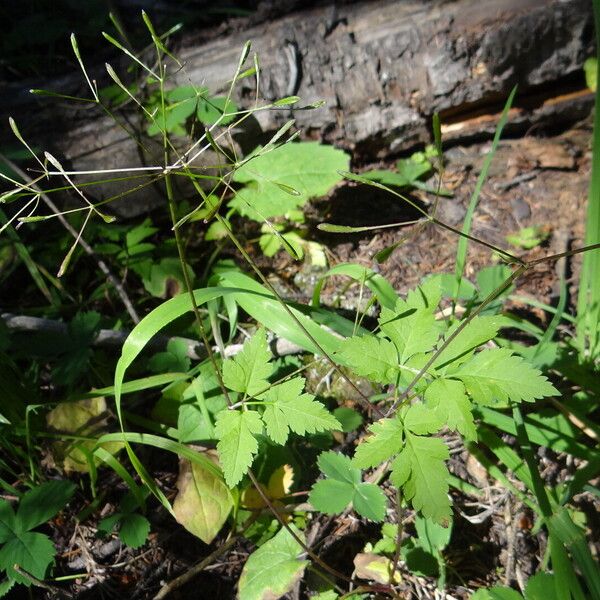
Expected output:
(153, 376)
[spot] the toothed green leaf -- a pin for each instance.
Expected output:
(32, 551)
(344, 486)
(411, 329)
(338, 466)
(371, 357)
(237, 445)
(448, 399)
(386, 440)
(134, 529)
(331, 496)
(369, 501)
(271, 571)
(268, 175)
(289, 409)
(421, 420)
(496, 376)
(421, 471)
(248, 371)
(476, 333)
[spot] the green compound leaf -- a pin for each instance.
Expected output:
(173, 360)
(308, 168)
(41, 503)
(421, 420)
(33, 552)
(331, 496)
(182, 102)
(211, 110)
(371, 357)
(249, 370)
(477, 332)
(369, 501)
(338, 466)
(449, 400)
(386, 440)
(421, 471)
(273, 569)
(411, 329)
(496, 376)
(529, 237)
(165, 277)
(289, 409)
(410, 170)
(134, 529)
(237, 444)
(344, 486)
(8, 522)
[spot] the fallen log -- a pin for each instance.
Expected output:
(383, 68)
(114, 339)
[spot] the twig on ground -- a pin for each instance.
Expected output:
(114, 338)
(506, 185)
(184, 578)
(42, 584)
(511, 534)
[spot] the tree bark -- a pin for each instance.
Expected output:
(383, 69)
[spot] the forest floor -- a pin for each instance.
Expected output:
(534, 181)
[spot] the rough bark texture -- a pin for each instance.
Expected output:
(383, 69)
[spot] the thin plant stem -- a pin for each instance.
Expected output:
(363, 398)
(194, 570)
(317, 559)
(399, 529)
(190, 290)
(42, 584)
(525, 266)
(181, 250)
(85, 246)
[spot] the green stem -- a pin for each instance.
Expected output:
(190, 290)
(363, 398)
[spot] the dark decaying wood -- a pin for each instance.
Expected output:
(383, 68)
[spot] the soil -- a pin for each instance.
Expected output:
(535, 180)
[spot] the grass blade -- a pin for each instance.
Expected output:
(385, 293)
(588, 302)
(75, 47)
(573, 538)
(461, 253)
(25, 256)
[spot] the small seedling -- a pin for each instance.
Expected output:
(343, 486)
(529, 237)
(133, 527)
